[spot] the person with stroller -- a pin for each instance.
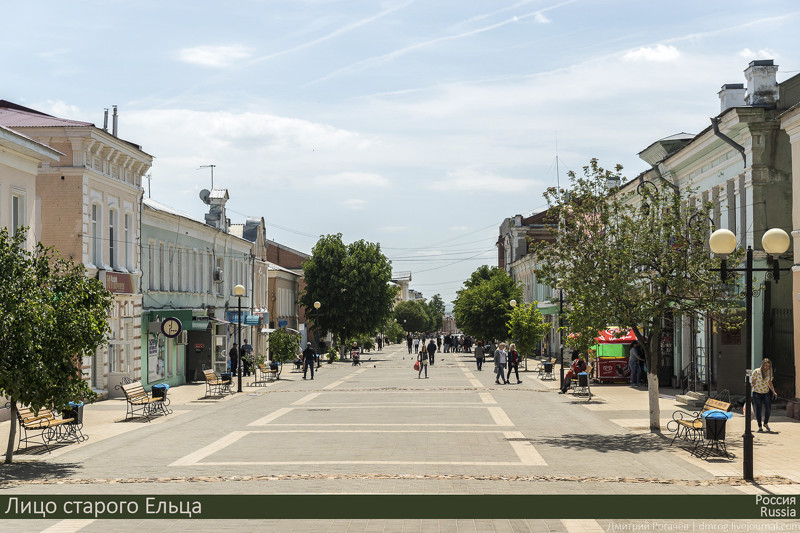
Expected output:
(356, 356)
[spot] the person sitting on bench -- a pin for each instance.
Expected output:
(578, 366)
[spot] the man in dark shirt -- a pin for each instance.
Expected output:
(308, 360)
(431, 350)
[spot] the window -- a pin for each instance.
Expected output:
(112, 238)
(172, 265)
(128, 244)
(162, 280)
(95, 236)
(151, 275)
(180, 281)
(17, 210)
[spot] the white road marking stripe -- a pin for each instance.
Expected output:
(476, 383)
(408, 424)
(205, 451)
(525, 451)
(582, 526)
(307, 398)
(486, 397)
(376, 431)
(305, 463)
(500, 417)
(332, 385)
(270, 417)
(68, 526)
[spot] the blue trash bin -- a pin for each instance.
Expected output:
(160, 390)
(715, 420)
(75, 411)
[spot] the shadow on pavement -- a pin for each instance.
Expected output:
(607, 443)
(34, 470)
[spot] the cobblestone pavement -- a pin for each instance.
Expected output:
(378, 429)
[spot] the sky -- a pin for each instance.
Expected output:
(420, 125)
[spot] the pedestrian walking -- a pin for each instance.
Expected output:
(416, 344)
(431, 350)
(438, 342)
(479, 355)
(422, 357)
(233, 355)
(500, 358)
(247, 358)
(409, 341)
(635, 360)
(763, 392)
(513, 363)
(309, 355)
(380, 342)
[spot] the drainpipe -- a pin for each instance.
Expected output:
(736, 146)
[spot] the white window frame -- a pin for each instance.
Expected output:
(113, 238)
(18, 213)
(95, 230)
(128, 243)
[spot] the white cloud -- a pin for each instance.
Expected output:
(469, 180)
(540, 18)
(214, 56)
(659, 53)
(350, 179)
(59, 108)
(354, 203)
(763, 53)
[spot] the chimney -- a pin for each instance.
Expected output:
(731, 95)
(114, 122)
(105, 119)
(762, 88)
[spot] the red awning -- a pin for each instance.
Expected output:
(616, 336)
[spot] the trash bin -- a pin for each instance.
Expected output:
(226, 376)
(160, 391)
(548, 367)
(75, 411)
(583, 379)
(715, 420)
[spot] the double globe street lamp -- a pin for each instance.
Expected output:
(723, 243)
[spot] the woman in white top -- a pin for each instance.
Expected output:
(763, 392)
(500, 358)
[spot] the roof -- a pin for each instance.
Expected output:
(279, 245)
(14, 115)
(158, 206)
(278, 268)
(18, 142)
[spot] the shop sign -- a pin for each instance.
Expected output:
(117, 282)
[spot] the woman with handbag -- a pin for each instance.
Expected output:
(500, 358)
(422, 359)
(513, 363)
(763, 392)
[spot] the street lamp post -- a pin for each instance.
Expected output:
(723, 243)
(239, 292)
(317, 305)
(560, 333)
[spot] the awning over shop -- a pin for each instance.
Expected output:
(548, 309)
(200, 325)
(615, 335)
(266, 330)
(252, 320)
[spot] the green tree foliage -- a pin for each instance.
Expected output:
(632, 260)
(482, 307)
(51, 317)
(527, 327)
(436, 312)
(394, 332)
(412, 316)
(283, 345)
(352, 284)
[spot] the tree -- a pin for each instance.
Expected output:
(527, 327)
(482, 308)
(436, 312)
(394, 331)
(283, 345)
(51, 317)
(632, 260)
(412, 316)
(352, 284)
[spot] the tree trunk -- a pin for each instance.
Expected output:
(652, 380)
(12, 432)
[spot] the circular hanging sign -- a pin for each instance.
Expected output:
(171, 327)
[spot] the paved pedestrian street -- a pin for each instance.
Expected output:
(378, 429)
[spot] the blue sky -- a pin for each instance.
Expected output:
(419, 125)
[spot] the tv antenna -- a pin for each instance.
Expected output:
(212, 173)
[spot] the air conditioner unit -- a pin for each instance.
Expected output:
(183, 338)
(218, 274)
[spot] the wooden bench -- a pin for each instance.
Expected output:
(42, 425)
(266, 373)
(139, 401)
(215, 385)
(689, 425)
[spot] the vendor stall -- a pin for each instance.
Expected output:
(612, 351)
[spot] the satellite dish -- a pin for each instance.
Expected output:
(204, 194)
